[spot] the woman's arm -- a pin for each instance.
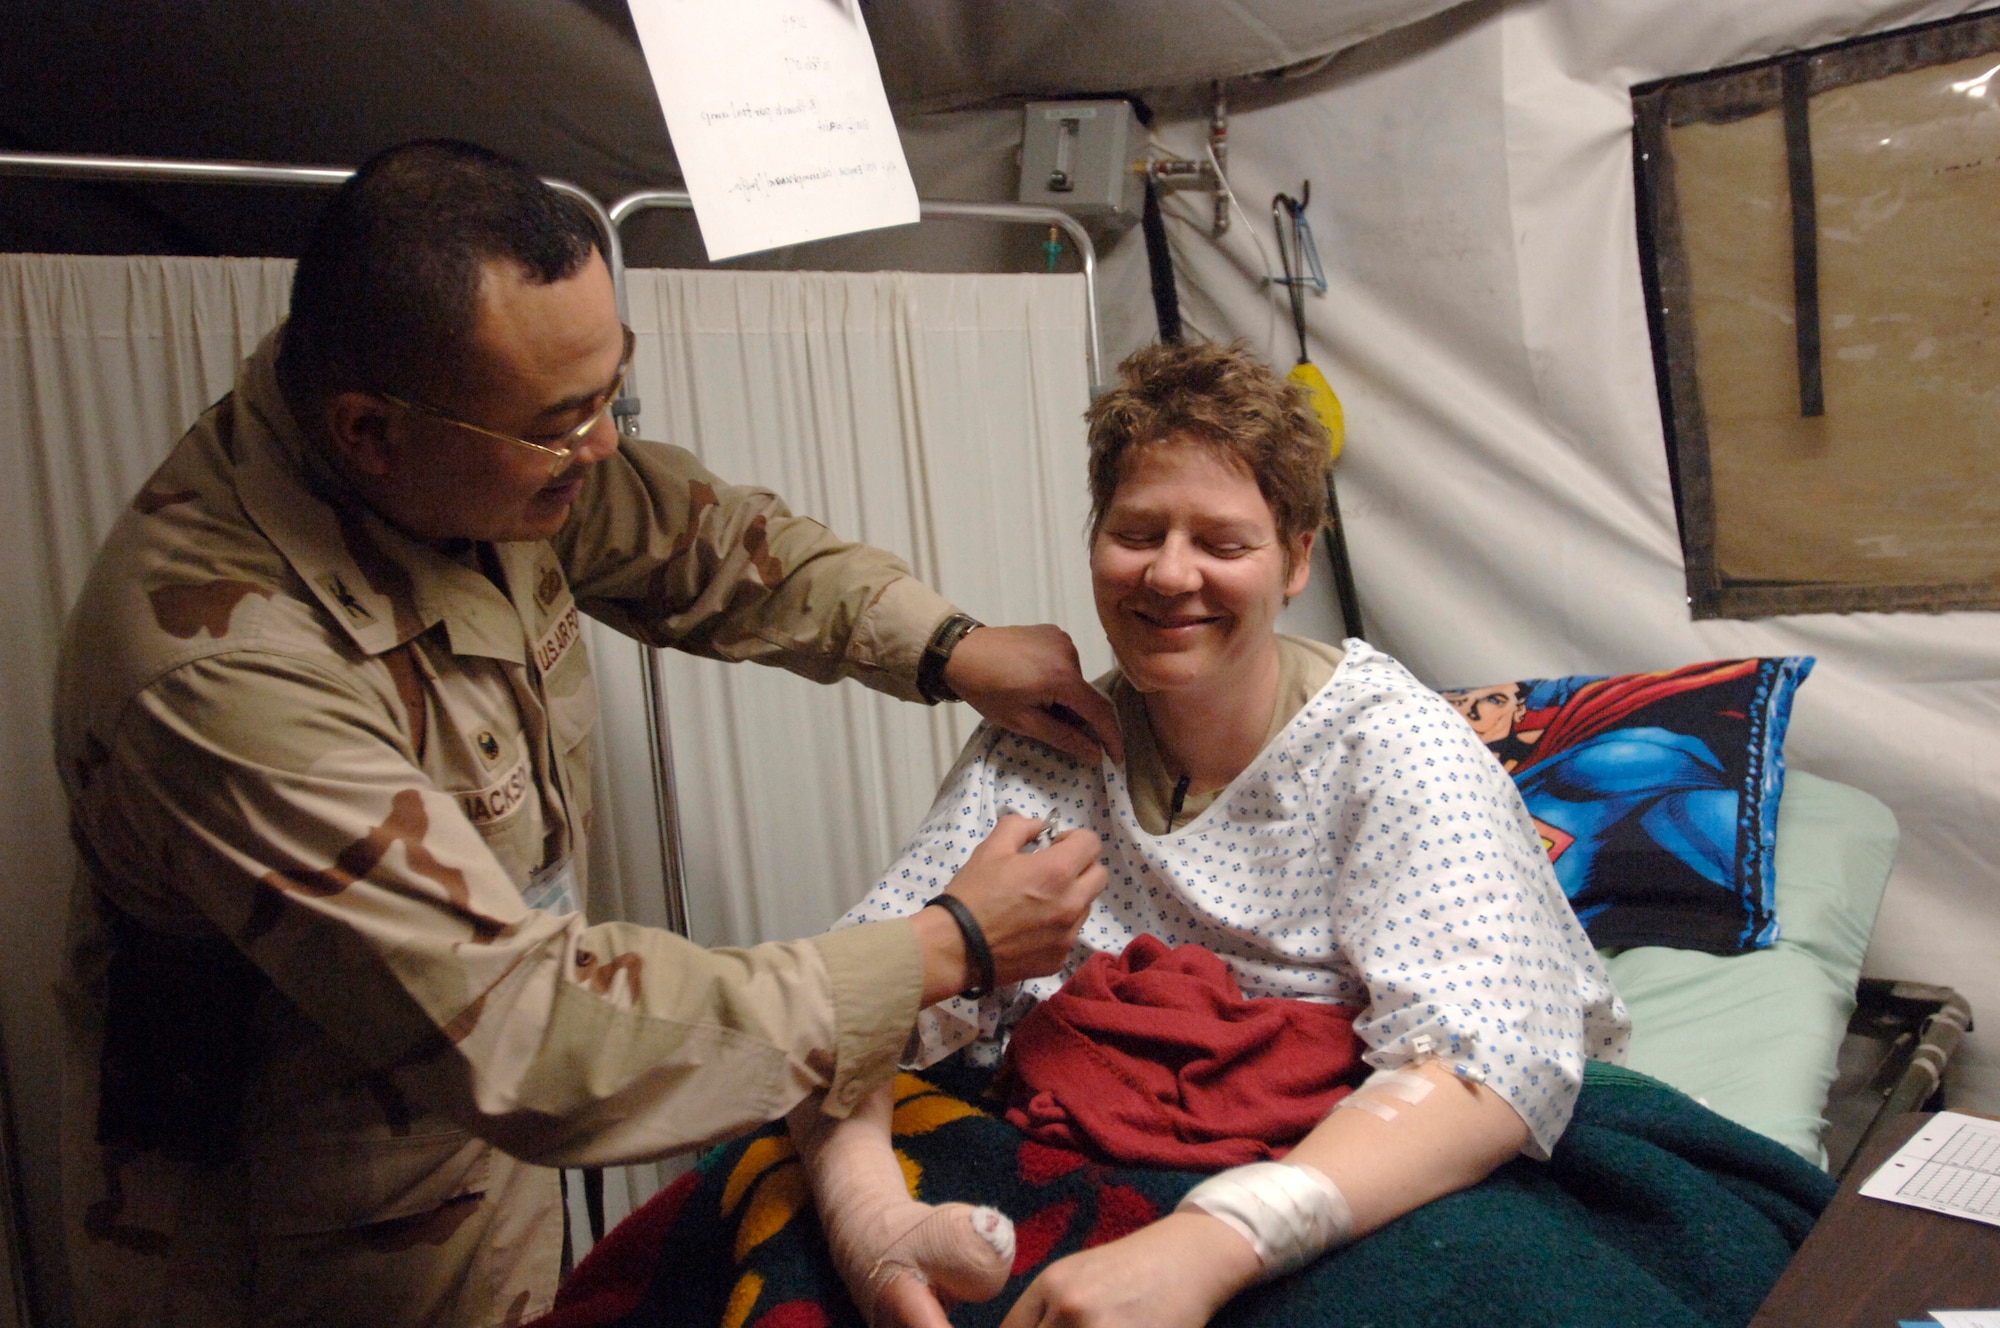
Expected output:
(895, 1254)
(1455, 1137)
(1177, 1272)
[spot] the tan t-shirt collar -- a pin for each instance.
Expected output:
(1304, 667)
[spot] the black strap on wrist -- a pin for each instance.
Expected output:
(978, 954)
(937, 653)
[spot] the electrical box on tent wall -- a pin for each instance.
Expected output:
(1079, 156)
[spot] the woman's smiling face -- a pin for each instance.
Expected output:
(1188, 570)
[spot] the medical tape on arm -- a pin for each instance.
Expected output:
(1289, 1212)
(1379, 1089)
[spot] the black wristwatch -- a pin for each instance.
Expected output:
(930, 669)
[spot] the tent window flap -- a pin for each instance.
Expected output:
(1823, 277)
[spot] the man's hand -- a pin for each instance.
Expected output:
(1175, 1273)
(1030, 905)
(1028, 679)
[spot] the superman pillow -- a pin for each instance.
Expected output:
(1656, 794)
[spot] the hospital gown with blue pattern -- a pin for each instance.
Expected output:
(1373, 854)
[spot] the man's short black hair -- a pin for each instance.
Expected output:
(386, 293)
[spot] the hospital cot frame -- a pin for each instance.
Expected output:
(163, 170)
(1899, 1040)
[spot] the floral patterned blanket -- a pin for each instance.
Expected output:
(1652, 1211)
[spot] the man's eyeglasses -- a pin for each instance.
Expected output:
(559, 448)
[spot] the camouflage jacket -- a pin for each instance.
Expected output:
(289, 732)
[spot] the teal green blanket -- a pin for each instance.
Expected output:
(1653, 1211)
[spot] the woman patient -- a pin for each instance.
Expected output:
(1317, 817)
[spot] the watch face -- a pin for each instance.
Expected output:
(930, 668)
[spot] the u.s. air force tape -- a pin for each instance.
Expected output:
(1289, 1212)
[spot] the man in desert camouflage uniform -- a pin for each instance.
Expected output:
(324, 719)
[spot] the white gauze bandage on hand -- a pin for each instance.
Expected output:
(1289, 1212)
(875, 1231)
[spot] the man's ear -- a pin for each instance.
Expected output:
(1301, 571)
(357, 424)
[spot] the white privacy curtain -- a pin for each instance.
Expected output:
(104, 362)
(939, 417)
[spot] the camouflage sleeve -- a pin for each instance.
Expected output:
(661, 549)
(275, 798)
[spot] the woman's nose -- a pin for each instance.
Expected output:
(1173, 570)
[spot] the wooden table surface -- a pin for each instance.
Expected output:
(1870, 1262)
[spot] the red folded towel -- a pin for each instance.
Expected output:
(1157, 1058)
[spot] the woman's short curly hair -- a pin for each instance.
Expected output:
(1224, 398)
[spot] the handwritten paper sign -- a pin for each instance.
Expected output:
(778, 118)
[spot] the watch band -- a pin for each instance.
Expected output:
(937, 653)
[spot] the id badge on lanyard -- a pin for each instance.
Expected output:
(553, 889)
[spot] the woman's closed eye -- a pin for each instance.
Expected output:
(1229, 541)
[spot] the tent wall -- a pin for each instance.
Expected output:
(1506, 476)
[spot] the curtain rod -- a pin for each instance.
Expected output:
(166, 170)
(1015, 213)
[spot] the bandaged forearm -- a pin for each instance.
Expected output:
(875, 1231)
(1289, 1212)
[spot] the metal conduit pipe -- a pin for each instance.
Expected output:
(56, 164)
(1016, 213)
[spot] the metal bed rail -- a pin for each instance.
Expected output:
(1900, 1038)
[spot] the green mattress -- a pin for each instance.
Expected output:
(1756, 1037)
